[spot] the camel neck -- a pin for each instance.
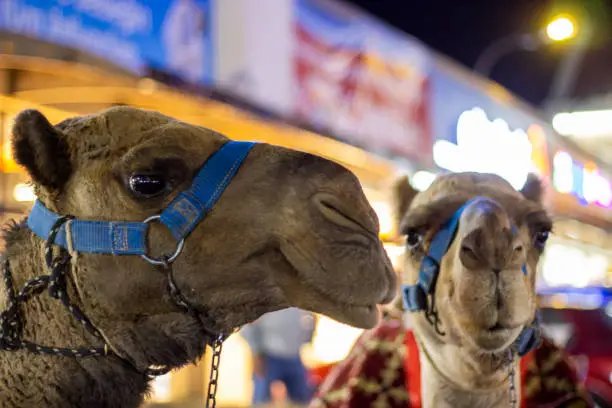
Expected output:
(451, 377)
(31, 379)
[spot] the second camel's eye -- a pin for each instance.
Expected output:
(413, 239)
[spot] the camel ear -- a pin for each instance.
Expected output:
(41, 149)
(403, 194)
(533, 189)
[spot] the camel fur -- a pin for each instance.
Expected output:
(292, 229)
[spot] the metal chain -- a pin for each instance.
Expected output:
(11, 320)
(211, 398)
(512, 393)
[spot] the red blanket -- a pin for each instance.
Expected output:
(383, 370)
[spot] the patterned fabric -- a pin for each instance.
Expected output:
(374, 375)
(550, 380)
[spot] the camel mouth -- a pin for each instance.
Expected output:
(369, 307)
(495, 338)
(496, 328)
(328, 300)
(365, 316)
(499, 327)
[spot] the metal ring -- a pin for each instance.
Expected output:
(177, 252)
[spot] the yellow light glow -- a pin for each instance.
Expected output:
(539, 154)
(395, 253)
(235, 384)
(161, 389)
(8, 164)
(385, 219)
(560, 29)
(24, 192)
(333, 340)
(146, 86)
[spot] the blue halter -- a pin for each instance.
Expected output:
(416, 296)
(130, 238)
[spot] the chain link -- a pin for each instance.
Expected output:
(512, 393)
(211, 398)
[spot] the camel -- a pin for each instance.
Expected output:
(472, 337)
(231, 230)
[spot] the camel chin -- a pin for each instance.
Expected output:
(360, 316)
(493, 340)
(334, 300)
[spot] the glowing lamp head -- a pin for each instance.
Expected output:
(561, 29)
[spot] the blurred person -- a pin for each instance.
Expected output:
(275, 340)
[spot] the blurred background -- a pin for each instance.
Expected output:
(384, 88)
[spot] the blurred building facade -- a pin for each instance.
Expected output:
(313, 75)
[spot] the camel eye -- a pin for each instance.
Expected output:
(413, 239)
(540, 238)
(147, 185)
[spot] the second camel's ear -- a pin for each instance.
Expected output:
(41, 149)
(533, 189)
(403, 194)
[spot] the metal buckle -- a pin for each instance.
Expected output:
(163, 260)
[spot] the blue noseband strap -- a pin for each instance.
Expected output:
(130, 238)
(416, 296)
(117, 238)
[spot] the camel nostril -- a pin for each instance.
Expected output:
(518, 248)
(468, 256)
(468, 250)
(339, 214)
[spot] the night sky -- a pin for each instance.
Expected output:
(462, 29)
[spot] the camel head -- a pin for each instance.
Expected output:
(480, 241)
(290, 229)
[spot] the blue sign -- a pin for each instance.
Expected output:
(138, 35)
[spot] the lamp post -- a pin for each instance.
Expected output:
(568, 69)
(559, 29)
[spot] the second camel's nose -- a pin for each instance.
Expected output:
(487, 238)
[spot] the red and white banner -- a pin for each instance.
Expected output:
(350, 90)
(331, 67)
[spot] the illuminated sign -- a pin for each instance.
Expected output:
(561, 261)
(490, 146)
(582, 181)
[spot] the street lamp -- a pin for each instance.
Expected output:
(560, 28)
